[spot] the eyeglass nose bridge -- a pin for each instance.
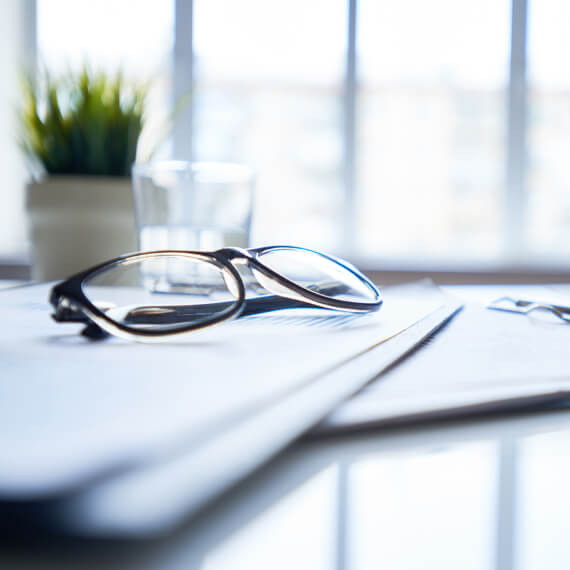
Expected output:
(235, 254)
(267, 278)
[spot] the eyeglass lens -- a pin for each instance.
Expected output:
(166, 292)
(172, 291)
(316, 272)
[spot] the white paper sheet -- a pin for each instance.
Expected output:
(484, 360)
(72, 410)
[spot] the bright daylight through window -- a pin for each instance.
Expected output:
(399, 133)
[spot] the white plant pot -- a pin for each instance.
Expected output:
(78, 221)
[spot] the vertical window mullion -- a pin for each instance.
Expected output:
(516, 193)
(29, 35)
(349, 138)
(182, 78)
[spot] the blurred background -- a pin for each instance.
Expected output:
(405, 136)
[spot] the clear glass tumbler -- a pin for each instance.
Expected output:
(192, 205)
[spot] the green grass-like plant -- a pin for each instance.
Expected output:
(82, 123)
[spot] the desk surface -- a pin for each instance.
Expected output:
(489, 493)
(476, 493)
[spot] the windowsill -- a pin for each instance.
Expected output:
(15, 269)
(401, 272)
(393, 276)
(465, 273)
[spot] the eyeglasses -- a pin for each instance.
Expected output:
(522, 306)
(152, 295)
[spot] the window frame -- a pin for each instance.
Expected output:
(515, 191)
(515, 196)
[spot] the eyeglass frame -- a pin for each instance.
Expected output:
(71, 304)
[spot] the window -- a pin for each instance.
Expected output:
(402, 132)
(269, 87)
(15, 48)
(431, 126)
(547, 218)
(110, 35)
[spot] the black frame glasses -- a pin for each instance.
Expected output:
(71, 304)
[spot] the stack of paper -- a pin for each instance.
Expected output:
(484, 361)
(119, 437)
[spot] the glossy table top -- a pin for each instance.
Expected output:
(481, 493)
(475, 493)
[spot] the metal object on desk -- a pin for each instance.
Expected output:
(524, 307)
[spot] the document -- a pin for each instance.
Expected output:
(485, 360)
(134, 437)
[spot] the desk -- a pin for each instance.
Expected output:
(490, 493)
(476, 493)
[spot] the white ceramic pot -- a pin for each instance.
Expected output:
(78, 221)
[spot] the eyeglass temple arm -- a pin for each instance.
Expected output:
(180, 313)
(253, 306)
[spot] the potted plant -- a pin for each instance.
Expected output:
(80, 133)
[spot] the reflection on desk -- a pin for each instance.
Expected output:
(471, 495)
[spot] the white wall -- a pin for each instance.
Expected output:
(17, 39)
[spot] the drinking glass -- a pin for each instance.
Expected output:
(184, 205)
